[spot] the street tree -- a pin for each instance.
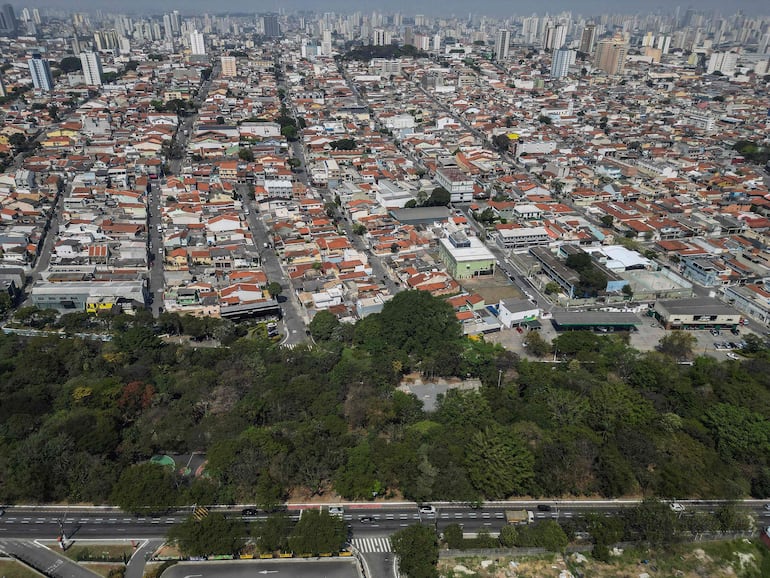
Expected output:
(318, 532)
(417, 551)
(212, 535)
(272, 533)
(275, 289)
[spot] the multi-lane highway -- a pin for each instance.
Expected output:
(367, 520)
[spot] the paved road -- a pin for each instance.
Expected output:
(294, 317)
(305, 568)
(383, 520)
(44, 560)
(135, 566)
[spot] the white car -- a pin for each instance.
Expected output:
(677, 507)
(731, 355)
(336, 511)
(427, 510)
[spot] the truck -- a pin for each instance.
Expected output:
(519, 516)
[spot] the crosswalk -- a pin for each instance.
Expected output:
(367, 545)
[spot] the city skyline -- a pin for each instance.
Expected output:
(447, 8)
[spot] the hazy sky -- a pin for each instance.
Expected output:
(408, 7)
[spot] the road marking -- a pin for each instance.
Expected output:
(487, 523)
(368, 545)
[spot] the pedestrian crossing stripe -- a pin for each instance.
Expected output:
(200, 513)
(368, 545)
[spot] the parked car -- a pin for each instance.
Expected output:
(731, 355)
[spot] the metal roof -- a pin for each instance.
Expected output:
(594, 318)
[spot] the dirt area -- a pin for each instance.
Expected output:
(715, 560)
(492, 288)
(13, 569)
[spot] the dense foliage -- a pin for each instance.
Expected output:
(79, 418)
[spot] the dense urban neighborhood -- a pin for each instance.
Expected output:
(262, 261)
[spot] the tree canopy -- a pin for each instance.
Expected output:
(80, 420)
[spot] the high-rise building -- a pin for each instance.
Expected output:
(175, 23)
(588, 38)
(41, 73)
(229, 66)
(92, 68)
(197, 43)
(381, 37)
(562, 60)
(3, 92)
(611, 55)
(8, 25)
(36, 16)
(105, 40)
(271, 26)
(723, 62)
(555, 37)
(326, 43)
(502, 44)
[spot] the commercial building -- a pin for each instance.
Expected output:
(41, 73)
(611, 55)
(465, 257)
(502, 44)
(229, 66)
(696, 313)
(522, 237)
(197, 43)
(513, 312)
(92, 68)
(459, 185)
(81, 296)
(597, 320)
(753, 300)
(556, 270)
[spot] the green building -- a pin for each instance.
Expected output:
(465, 257)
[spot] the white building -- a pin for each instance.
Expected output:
(514, 312)
(562, 60)
(459, 185)
(502, 44)
(229, 66)
(41, 73)
(197, 43)
(723, 62)
(92, 68)
(523, 237)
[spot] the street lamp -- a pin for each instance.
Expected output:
(499, 377)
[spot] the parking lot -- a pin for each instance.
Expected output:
(647, 336)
